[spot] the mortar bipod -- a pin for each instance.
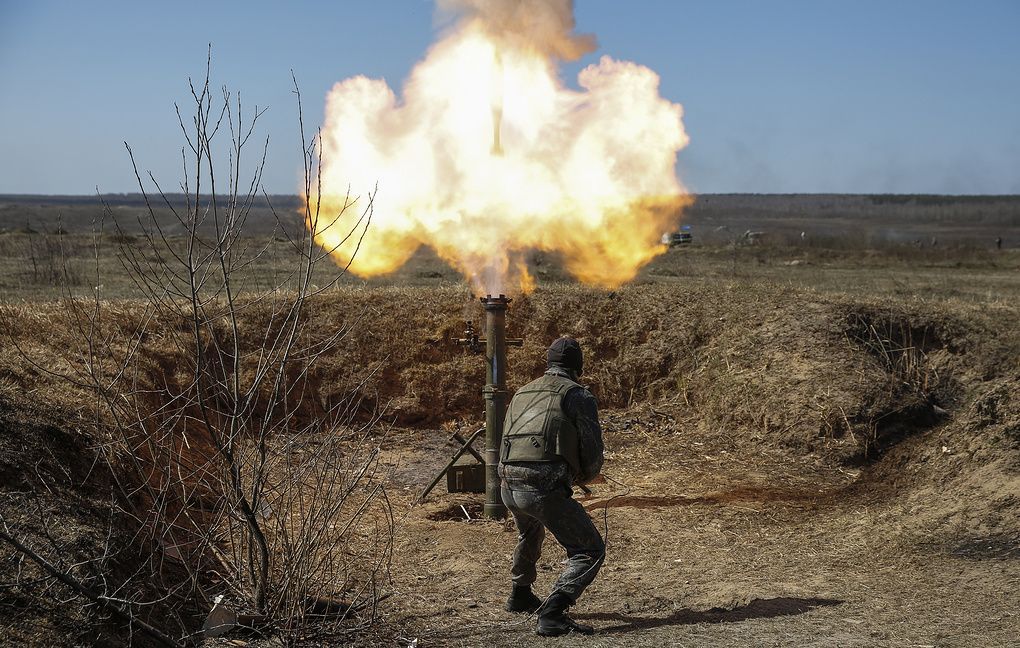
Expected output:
(465, 448)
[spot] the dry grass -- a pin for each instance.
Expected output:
(753, 429)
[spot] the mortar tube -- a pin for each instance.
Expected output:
(494, 393)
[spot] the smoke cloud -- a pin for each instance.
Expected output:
(545, 25)
(488, 155)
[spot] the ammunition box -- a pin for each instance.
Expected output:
(466, 478)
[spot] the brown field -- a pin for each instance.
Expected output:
(810, 441)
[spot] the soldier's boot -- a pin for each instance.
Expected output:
(553, 620)
(522, 600)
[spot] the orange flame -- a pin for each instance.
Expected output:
(489, 156)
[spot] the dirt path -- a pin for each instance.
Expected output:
(706, 546)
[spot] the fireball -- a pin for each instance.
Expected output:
(489, 155)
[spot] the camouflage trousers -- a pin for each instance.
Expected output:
(536, 510)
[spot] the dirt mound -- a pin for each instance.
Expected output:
(919, 395)
(808, 371)
(773, 366)
(910, 408)
(959, 485)
(56, 499)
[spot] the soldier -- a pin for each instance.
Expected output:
(551, 441)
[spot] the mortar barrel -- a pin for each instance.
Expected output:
(495, 399)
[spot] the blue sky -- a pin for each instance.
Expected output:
(902, 96)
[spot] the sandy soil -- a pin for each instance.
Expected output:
(785, 467)
(709, 545)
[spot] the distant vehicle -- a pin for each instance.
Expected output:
(676, 239)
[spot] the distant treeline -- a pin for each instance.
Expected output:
(132, 199)
(865, 220)
(728, 200)
(890, 209)
(877, 199)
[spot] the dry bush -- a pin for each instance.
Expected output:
(47, 258)
(238, 477)
(764, 364)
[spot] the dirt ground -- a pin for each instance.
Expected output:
(804, 448)
(758, 525)
(708, 545)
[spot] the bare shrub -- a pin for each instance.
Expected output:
(912, 386)
(48, 258)
(242, 480)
